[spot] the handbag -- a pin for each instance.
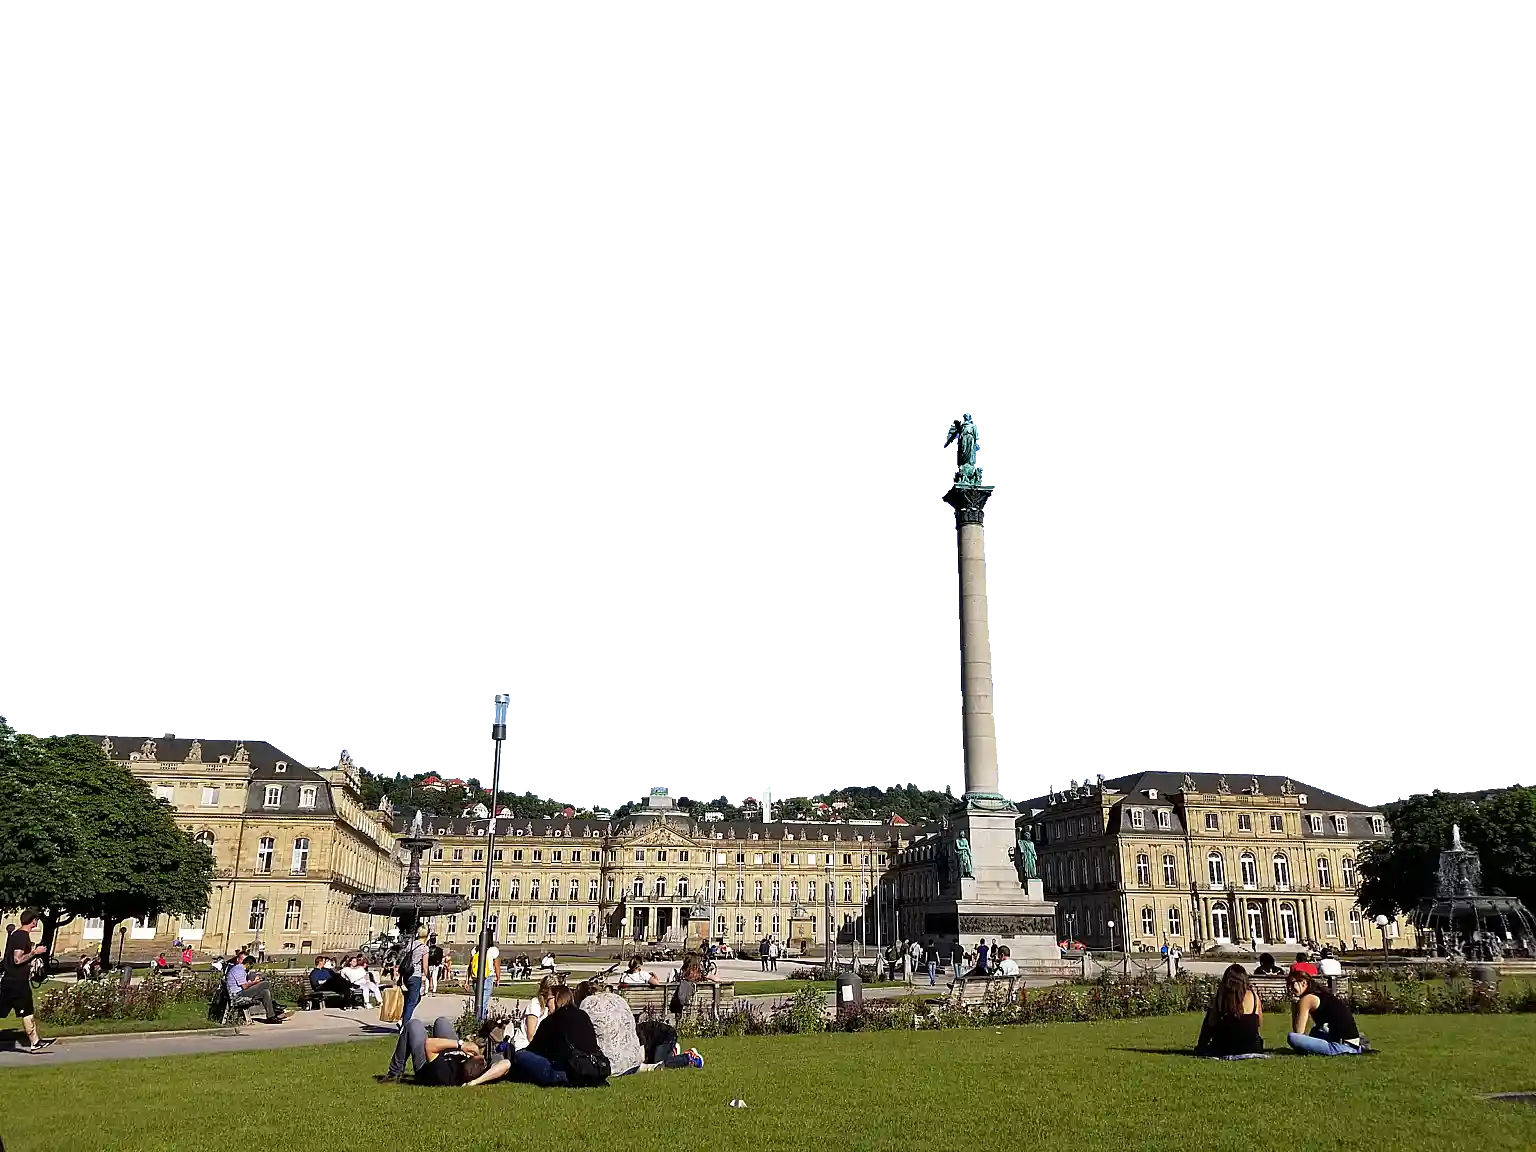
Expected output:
(391, 1006)
(584, 1068)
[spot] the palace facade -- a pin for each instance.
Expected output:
(291, 846)
(1198, 860)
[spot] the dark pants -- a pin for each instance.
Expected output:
(261, 995)
(413, 1043)
(531, 1068)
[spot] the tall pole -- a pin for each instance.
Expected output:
(482, 988)
(979, 730)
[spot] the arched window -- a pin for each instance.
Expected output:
(661, 887)
(205, 839)
(551, 925)
(1347, 871)
(1148, 922)
(720, 926)
(682, 887)
(591, 923)
(1216, 869)
(1143, 870)
(1249, 867)
(1288, 922)
(474, 923)
(757, 891)
(570, 925)
(474, 888)
(258, 915)
(1098, 870)
(264, 850)
(1324, 877)
(453, 886)
(1174, 924)
(757, 925)
(1330, 922)
(775, 891)
(741, 927)
(720, 895)
(495, 887)
(636, 889)
(1170, 870)
(1282, 871)
(300, 855)
(1221, 923)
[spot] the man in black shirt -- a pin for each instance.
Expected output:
(16, 978)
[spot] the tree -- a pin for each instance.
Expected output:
(80, 836)
(1398, 873)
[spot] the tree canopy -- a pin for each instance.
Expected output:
(80, 836)
(1397, 873)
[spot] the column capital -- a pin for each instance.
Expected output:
(968, 501)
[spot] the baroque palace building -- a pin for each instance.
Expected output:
(1198, 861)
(658, 875)
(291, 846)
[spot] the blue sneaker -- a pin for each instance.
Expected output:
(695, 1058)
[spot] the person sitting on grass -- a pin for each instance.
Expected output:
(1332, 1030)
(16, 978)
(1231, 1027)
(440, 1059)
(564, 1052)
(248, 990)
(1267, 966)
(637, 975)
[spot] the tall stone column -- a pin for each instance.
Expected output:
(979, 732)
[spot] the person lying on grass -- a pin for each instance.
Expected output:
(1321, 1023)
(1230, 1030)
(441, 1059)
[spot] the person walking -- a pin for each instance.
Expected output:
(16, 978)
(411, 974)
(933, 964)
(762, 952)
(434, 964)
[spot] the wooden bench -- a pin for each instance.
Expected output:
(656, 999)
(969, 991)
(1273, 987)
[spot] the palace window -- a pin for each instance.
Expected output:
(453, 923)
(473, 923)
(205, 839)
(264, 849)
(636, 889)
(1347, 871)
(307, 796)
(1378, 826)
(757, 925)
(1244, 822)
(538, 855)
(682, 856)
(1282, 871)
(741, 889)
(639, 855)
(1174, 927)
(741, 857)
(660, 887)
(493, 925)
(592, 891)
(775, 924)
(794, 891)
(273, 796)
(1356, 924)
(517, 855)
(458, 853)
(1148, 922)
(1330, 922)
(495, 887)
(1341, 825)
(775, 891)
(291, 916)
(474, 888)
(497, 856)
(166, 792)
(573, 893)
(1324, 878)
(1216, 870)
(1276, 822)
(757, 891)
(1221, 923)
(1143, 871)
(719, 925)
(300, 855)
(682, 887)
(554, 887)
(211, 797)
(661, 855)
(847, 891)
(1164, 819)
(741, 927)
(719, 889)
(1138, 818)
(516, 892)
(437, 853)
(1288, 923)
(810, 890)
(570, 925)
(432, 885)
(591, 923)
(258, 915)
(511, 925)
(848, 858)
(1249, 867)
(1212, 822)
(477, 855)
(1170, 870)
(1317, 824)
(453, 886)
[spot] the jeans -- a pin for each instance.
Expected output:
(413, 1043)
(412, 998)
(531, 1068)
(1319, 1045)
(933, 972)
(487, 986)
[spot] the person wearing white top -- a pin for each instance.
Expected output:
(1007, 966)
(531, 1014)
(1329, 965)
(356, 971)
(637, 975)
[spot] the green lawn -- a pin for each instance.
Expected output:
(1128, 1084)
(176, 1017)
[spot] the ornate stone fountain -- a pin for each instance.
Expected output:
(1460, 921)
(411, 906)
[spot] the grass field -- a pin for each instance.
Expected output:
(1127, 1084)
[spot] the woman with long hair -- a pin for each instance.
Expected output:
(1232, 1022)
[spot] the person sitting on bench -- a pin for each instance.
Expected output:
(324, 981)
(356, 973)
(637, 975)
(249, 990)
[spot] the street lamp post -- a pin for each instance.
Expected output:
(483, 986)
(827, 906)
(1381, 926)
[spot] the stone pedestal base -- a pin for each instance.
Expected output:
(993, 905)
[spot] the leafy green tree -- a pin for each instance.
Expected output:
(80, 836)
(1398, 873)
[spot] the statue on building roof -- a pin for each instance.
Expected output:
(195, 752)
(106, 746)
(147, 750)
(241, 756)
(1254, 789)
(1189, 783)
(344, 760)
(1286, 787)
(1221, 786)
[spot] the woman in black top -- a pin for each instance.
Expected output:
(1321, 1023)
(564, 1051)
(1232, 1023)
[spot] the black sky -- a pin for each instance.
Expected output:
(782, 589)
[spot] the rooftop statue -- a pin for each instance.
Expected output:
(964, 431)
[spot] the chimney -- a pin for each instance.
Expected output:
(169, 736)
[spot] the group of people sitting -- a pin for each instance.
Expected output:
(563, 1037)
(1321, 1023)
(353, 982)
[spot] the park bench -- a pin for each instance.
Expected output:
(1273, 987)
(351, 997)
(969, 991)
(656, 999)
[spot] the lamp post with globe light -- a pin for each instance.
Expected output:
(483, 987)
